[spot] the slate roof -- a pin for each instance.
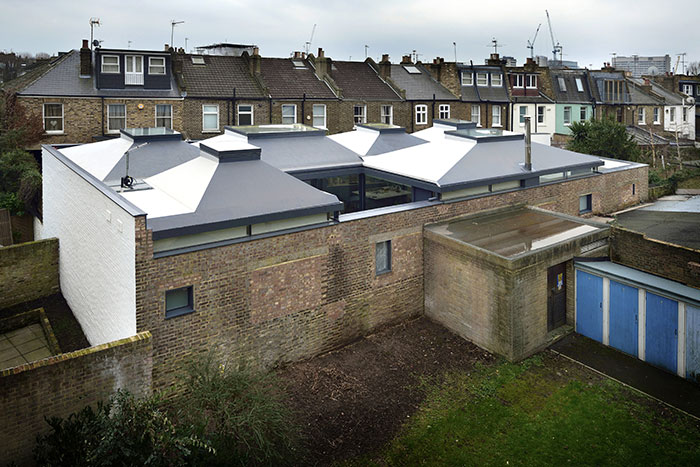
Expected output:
(489, 93)
(571, 95)
(284, 81)
(670, 98)
(63, 79)
(31, 75)
(359, 81)
(218, 77)
(643, 137)
(598, 89)
(419, 86)
(639, 97)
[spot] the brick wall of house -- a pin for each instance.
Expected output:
(65, 383)
(245, 293)
(673, 262)
(28, 271)
(192, 115)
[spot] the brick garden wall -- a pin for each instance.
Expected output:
(60, 385)
(673, 262)
(246, 295)
(28, 271)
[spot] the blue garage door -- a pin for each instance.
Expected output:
(692, 342)
(589, 305)
(624, 325)
(662, 332)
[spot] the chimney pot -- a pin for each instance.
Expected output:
(166, 47)
(256, 51)
(385, 57)
(385, 67)
(320, 52)
(85, 44)
(406, 59)
(297, 54)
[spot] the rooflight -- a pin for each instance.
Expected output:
(411, 69)
(298, 64)
(197, 60)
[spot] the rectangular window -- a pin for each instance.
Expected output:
(496, 115)
(567, 115)
(585, 204)
(496, 79)
(523, 113)
(382, 257)
(467, 78)
(583, 114)
(579, 85)
(53, 118)
(133, 74)
(319, 117)
(531, 81)
(613, 90)
(641, 116)
(672, 115)
(421, 114)
(562, 84)
(289, 114)
(359, 114)
(685, 115)
(387, 114)
(476, 114)
(444, 111)
(656, 116)
(178, 302)
(164, 116)
(541, 113)
(210, 117)
(116, 117)
(482, 79)
(156, 65)
(688, 89)
(518, 81)
(110, 64)
(245, 114)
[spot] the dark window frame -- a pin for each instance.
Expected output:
(182, 310)
(386, 270)
(589, 203)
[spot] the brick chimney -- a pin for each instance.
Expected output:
(494, 59)
(254, 62)
(323, 65)
(297, 55)
(85, 60)
(646, 86)
(385, 67)
(406, 60)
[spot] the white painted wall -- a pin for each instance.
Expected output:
(685, 129)
(547, 127)
(96, 252)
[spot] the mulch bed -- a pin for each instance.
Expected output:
(352, 401)
(66, 328)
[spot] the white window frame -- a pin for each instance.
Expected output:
(657, 115)
(519, 81)
(482, 79)
(522, 115)
(583, 114)
(567, 109)
(133, 77)
(444, 111)
(294, 107)
(531, 81)
(421, 114)
(672, 115)
(496, 79)
(685, 115)
(688, 89)
(641, 116)
(477, 113)
(579, 85)
(115, 130)
(314, 115)
(43, 119)
(152, 66)
(496, 112)
(359, 118)
(170, 117)
(467, 78)
(102, 65)
(384, 115)
(543, 114)
(205, 112)
(245, 112)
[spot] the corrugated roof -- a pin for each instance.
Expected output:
(218, 77)
(419, 86)
(284, 81)
(63, 79)
(359, 81)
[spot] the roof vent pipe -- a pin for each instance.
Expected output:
(528, 145)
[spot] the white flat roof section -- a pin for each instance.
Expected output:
(99, 158)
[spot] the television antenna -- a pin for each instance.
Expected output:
(173, 23)
(494, 43)
(94, 21)
(366, 49)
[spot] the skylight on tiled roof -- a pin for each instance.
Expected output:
(298, 64)
(197, 60)
(411, 69)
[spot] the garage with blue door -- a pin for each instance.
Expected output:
(643, 315)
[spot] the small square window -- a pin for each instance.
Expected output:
(444, 111)
(496, 79)
(178, 302)
(585, 204)
(467, 78)
(421, 114)
(156, 65)
(382, 256)
(359, 114)
(482, 79)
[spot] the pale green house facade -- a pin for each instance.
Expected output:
(574, 101)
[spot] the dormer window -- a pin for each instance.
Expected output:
(411, 69)
(496, 79)
(467, 78)
(197, 60)
(110, 64)
(134, 70)
(531, 81)
(482, 79)
(156, 65)
(518, 81)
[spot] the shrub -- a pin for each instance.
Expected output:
(20, 182)
(604, 138)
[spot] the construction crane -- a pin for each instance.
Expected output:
(307, 44)
(556, 46)
(531, 44)
(675, 68)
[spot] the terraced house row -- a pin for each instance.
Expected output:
(87, 95)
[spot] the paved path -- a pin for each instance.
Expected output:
(24, 345)
(675, 391)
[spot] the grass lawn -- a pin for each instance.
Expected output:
(543, 411)
(690, 183)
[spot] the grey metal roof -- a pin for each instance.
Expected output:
(387, 142)
(245, 192)
(419, 86)
(503, 160)
(64, 80)
(636, 277)
(571, 94)
(308, 152)
(152, 159)
(484, 93)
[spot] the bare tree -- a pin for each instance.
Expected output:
(693, 69)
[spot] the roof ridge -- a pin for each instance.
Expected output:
(49, 67)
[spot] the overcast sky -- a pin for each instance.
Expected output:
(588, 30)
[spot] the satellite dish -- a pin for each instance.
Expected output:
(690, 100)
(652, 70)
(96, 43)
